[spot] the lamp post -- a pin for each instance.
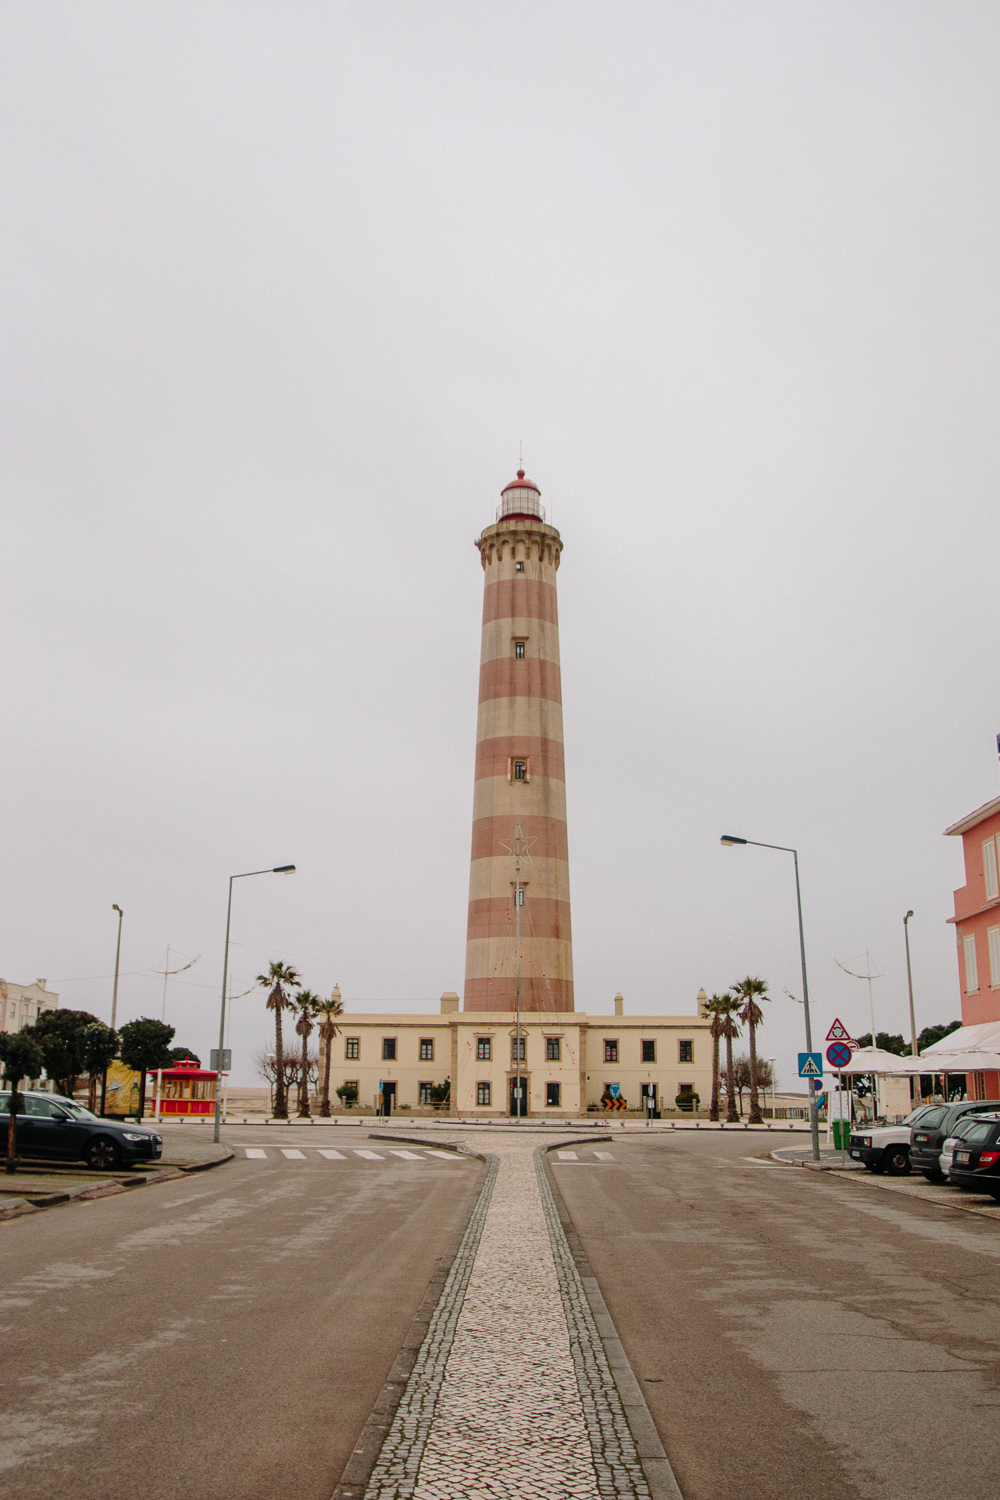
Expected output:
(274, 870)
(728, 840)
(118, 955)
(114, 1002)
(909, 983)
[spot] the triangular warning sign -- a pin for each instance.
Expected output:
(838, 1033)
(810, 1069)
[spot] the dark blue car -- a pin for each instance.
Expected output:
(51, 1128)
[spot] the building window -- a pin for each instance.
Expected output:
(971, 970)
(990, 870)
(520, 769)
(517, 1048)
(685, 1052)
(519, 650)
(426, 1049)
(424, 1090)
(352, 1048)
(610, 1051)
(484, 1048)
(483, 1095)
(519, 567)
(552, 1096)
(552, 1049)
(388, 1049)
(993, 938)
(649, 1052)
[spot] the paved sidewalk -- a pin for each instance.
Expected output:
(511, 1394)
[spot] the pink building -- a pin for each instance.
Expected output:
(977, 926)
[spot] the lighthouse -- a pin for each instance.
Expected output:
(519, 838)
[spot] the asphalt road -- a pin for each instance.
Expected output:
(224, 1335)
(795, 1334)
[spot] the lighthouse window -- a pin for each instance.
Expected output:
(520, 767)
(649, 1052)
(517, 1049)
(552, 1096)
(483, 1095)
(353, 1049)
(552, 1049)
(426, 1049)
(388, 1049)
(483, 1049)
(519, 650)
(519, 566)
(610, 1050)
(686, 1052)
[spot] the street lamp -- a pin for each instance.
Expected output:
(274, 870)
(728, 840)
(909, 983)
(114, 1003)
(118, 955)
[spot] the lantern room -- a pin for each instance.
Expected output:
(187, 1089)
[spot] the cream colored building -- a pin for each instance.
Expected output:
(22, 1004)
(568, 1059)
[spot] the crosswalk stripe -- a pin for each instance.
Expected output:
(444, 1155)
(370, 1155)
(332, 1155)
(256, 1155)
(604, 1156)
(567, 1156)
(292, 1154)
(406, 1155)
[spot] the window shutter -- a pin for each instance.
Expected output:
(990, 869)
(510, 767)
(994, 940)
(971, 971)
(527, 769)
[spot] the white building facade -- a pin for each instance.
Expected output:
(22, 1004)
(568, 1060)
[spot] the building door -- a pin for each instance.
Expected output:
(387, 1102)
(519, 1103)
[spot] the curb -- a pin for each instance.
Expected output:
(103, 1187)
(651, 1453)
(358, 1469)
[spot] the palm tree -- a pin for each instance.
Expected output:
(728, 1008)
(715, 1008)
(747, 993)
(327, 1031)
(280, 978)
(305, 1003)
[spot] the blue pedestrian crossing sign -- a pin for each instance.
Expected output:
(810, 1065)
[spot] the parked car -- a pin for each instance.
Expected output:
(933, 1129)
(976, 1163)
(51, 1128)
(958, 1133)
(886, 1148)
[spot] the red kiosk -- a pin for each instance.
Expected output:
(188, 1089)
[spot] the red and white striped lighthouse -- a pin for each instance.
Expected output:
(520, 772)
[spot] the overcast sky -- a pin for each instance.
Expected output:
(284, 287)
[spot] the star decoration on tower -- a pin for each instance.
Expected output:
(517, 848)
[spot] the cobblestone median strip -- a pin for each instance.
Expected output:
(512, 1394)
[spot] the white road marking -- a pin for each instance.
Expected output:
(256, 1155)
(444, 1155)
(755, 1161)
(604, 1156)
(370, 1155)
(567, 1156)
(406, 1155)
(333, 1155)
(292, 1154)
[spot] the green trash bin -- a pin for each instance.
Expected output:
(841, 1134)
